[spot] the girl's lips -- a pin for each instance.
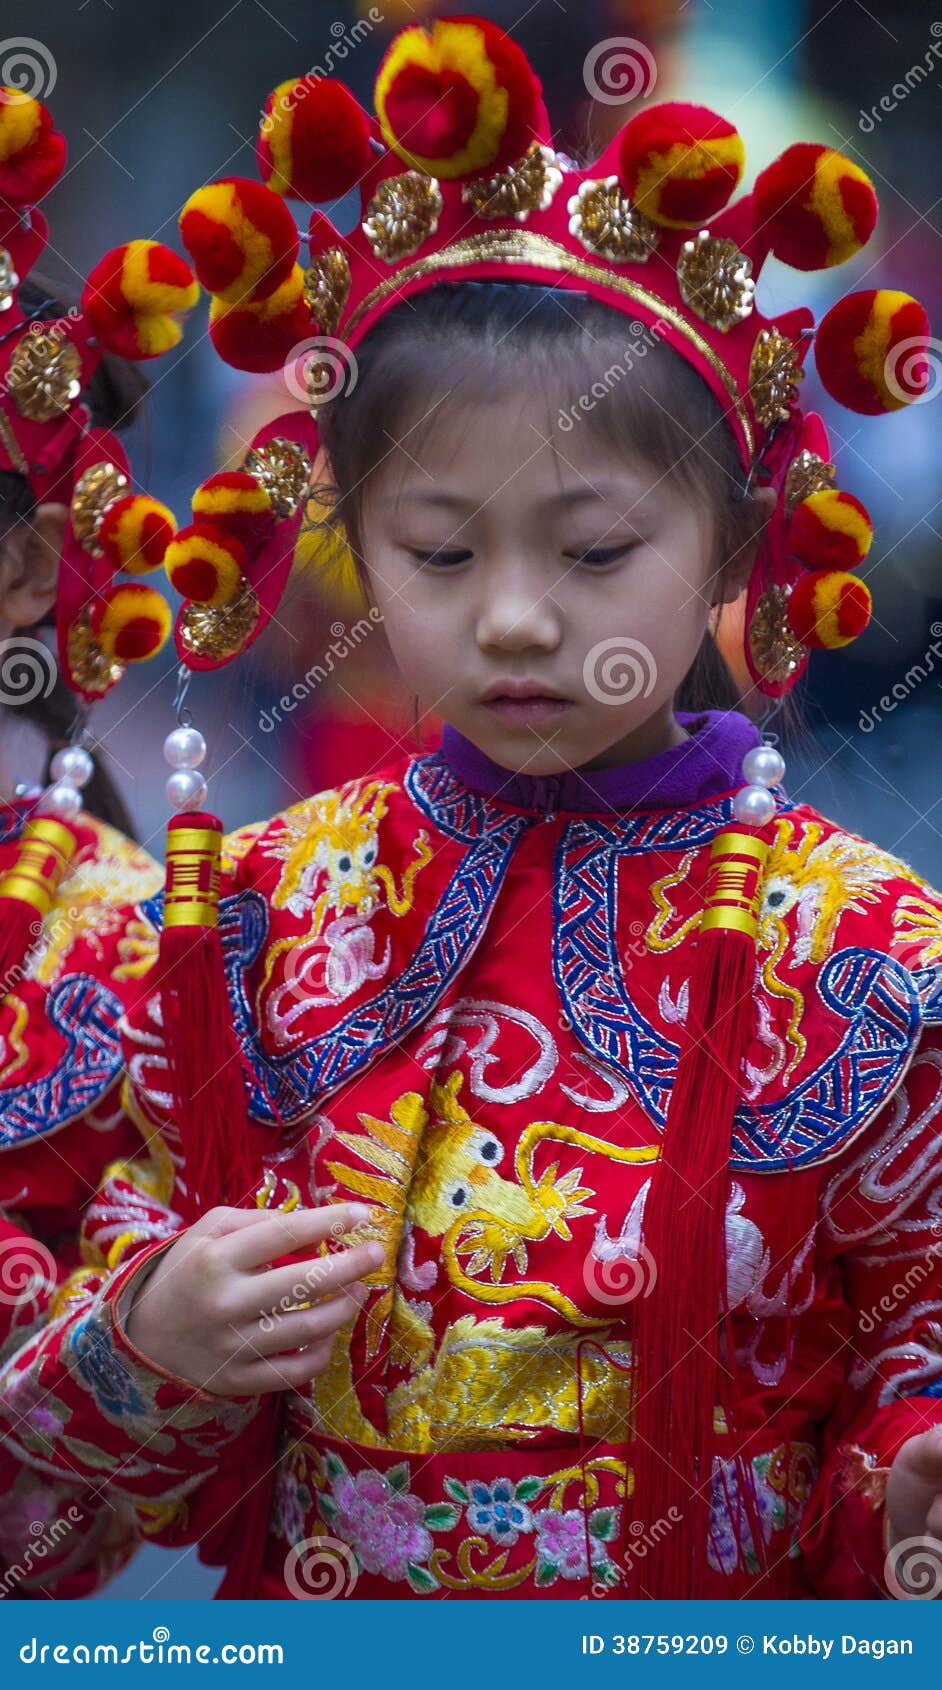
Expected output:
(523, 712)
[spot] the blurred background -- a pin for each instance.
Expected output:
(156, 102)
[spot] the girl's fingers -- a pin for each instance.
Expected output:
(282, 1373)
(305, 1326)
(272, 1293)
(275, 1233)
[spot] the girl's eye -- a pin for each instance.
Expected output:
(441, 560)
(603, 554)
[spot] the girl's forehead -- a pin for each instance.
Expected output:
(493, 451)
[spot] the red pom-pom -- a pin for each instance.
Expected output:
(870, 351)
(205, 563)
(680, 163)
(241, 237)
(133, 298)
(314, 139)
(235, 501)
(130, 622)
(457, 98)
(261, 337)
(135, 532)
(32, 152)
(828, 608)
(815, 207)
(830, 530)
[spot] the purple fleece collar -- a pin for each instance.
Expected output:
(709, 762)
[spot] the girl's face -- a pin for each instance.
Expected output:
(500, 558)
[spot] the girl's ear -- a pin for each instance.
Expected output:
(733, 576)
(30, 556)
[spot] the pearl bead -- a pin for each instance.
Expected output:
(754, 805)
(73, 764)
(763, 765)
(62, 800)
(186, 790)
(185, 748)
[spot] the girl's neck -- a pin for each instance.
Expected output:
(705, 763)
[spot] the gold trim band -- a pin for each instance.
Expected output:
(513, 246)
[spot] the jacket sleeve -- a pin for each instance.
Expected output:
(80, 1405)
(882, 1229)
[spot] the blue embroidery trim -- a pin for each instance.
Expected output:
(293, 1082)
(86, 1014)
(880, 1001)
(873, 993)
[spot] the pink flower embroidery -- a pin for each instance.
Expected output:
(383, 1525)
(560, 1539)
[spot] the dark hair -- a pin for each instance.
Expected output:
(469, 334)
(113, 396)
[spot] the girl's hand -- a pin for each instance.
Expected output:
(215, 1312)
(914, 1492)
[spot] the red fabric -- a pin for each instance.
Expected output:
(506, 1163)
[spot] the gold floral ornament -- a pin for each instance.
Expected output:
(403, 212)
(529, 185)
(93, 669)
(327, 288)
(9, 280)
(43, 377)
(219, 630)
(93, 492)
(284, 470)
(715, 280)
(776, 653)
(774, 374)
(603, 218)
(807, 474)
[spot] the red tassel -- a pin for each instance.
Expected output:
(679, 1377)
(208, 1099)
(45, 855)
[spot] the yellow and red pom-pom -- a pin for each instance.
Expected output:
(814, 206)
(314, 139)
(828, 608)
(261, 336)
(241, 237)
(679, 163)
(133, 295)
(457, 98)
(32, 152)
(830, 530)
(870, 351)
(235, 501)
(131, 622)
(135, 532)
(204, 562)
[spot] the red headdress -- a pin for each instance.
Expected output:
(129, 306)
(459, 180)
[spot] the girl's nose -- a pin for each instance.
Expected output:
(518, 613)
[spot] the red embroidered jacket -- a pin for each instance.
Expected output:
(61, 1124)
(468, 1014)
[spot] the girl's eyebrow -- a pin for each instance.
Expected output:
(569, 496)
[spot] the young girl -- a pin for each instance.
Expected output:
(576, 1141)
(69, 965)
